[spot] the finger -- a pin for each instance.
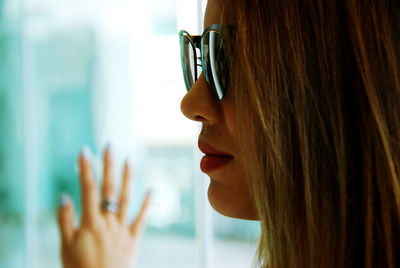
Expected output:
(108, 178)
(66, 214)
(138, 225)
(89, 193)
(125, 191)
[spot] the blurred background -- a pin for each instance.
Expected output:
(93, 72)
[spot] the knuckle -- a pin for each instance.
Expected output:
(88, 224)
(91, 224)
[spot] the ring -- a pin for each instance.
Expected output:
(109, 205)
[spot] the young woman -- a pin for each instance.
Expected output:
(299, 103)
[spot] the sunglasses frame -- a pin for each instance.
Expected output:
(197, 42)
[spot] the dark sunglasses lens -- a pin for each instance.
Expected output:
(215, 58)
(188, 61)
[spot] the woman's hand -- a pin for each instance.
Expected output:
(104, 239)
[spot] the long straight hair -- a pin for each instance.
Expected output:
(316, 85)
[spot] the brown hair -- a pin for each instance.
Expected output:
(317, 82)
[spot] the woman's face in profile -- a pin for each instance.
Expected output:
(228, 190)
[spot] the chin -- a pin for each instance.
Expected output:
(234, 203)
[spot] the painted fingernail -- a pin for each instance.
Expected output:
(109, 148)
(63, 202)
(129, 163)
(86, 152)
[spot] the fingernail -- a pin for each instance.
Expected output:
(129, 163)
(63, 202)
(151, 193)
(109, 148)
(86, 152)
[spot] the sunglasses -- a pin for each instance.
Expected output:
(208, 54)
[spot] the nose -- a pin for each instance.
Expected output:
(199, 105)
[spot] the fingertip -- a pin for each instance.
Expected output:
(85, 163)
(65, 217)
(149, 194)
(108, 154)
(128, 169)
(140, 221)
(109, 149)
(85, 152)
(84, 156)
(65, 205)
(63, 200)
(146, 202)
(129, 164)
(89, 189)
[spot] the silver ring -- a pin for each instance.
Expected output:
(109, 205)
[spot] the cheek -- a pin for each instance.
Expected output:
(228, 192)
(229, 119)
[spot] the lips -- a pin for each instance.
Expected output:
(213, 159)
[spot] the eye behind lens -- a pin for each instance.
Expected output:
(216, 62)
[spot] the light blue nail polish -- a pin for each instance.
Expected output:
(86, 152)
(151, 192)
(63, 200)
(109, 148)
(129, 163)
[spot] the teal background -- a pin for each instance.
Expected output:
(52, 81)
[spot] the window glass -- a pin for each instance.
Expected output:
(235, 241)
(12, 217)
(91, 72)
(164, 17)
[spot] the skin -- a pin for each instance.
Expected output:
(103, 239)
(228, 190)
